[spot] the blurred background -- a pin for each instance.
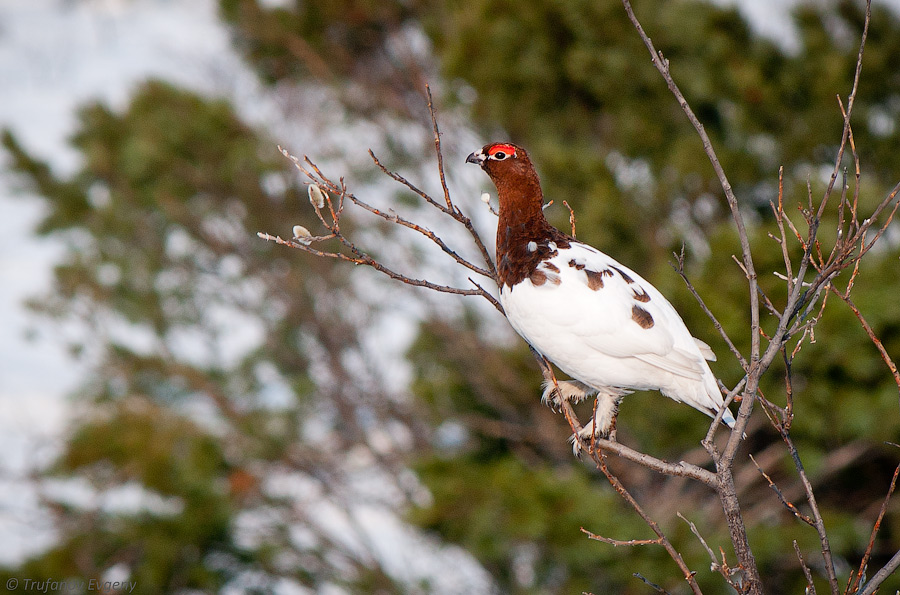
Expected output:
(185, 406)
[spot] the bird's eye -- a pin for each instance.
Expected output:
(501, 151)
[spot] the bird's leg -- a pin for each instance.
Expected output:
(606, 407)
(603, 422)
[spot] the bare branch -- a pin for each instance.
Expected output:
(618, 542)
(789, 505)
(394, 218)
(571, 217)
(451, 210)
(854, 585)
(653, 586)
(365, 259)
(679, 268)
(679, 469)
(880, 576)
(818, 522)
(779, 220)
(398, 178)
(488, 296)
(871, 333)
(688, 574)
(845, 135)
(730, 396)
(810, 586)
(714, 563)
(437, 148)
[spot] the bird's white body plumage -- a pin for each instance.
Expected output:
(600, 333)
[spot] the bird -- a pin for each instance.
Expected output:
(598, 321)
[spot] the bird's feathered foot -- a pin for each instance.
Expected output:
(572, 391)
(601, 425)
(606, 410)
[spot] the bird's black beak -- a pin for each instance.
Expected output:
(477, 158)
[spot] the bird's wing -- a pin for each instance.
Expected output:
(603, 305)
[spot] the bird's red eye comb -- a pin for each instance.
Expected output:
(508, 149)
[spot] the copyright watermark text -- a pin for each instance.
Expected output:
(77, 585)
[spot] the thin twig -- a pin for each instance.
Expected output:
(365, 259)
(853, 586)
(398, 178)
(871, 333)
(881, 575)
(618, 542)
(453, 212)
(571, 217)
(653, 586)
(818, 522)
(397, 219)
(810, 586)
(712, 556)
(687, 573)
(779, 220)
(679, 268)
(437, 148)
(788, 504)
(845, 135)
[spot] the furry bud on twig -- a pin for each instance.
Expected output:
(316, 196)
(486, 199)
(302, 235)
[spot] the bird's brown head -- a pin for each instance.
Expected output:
(502, 161)
(512, 172)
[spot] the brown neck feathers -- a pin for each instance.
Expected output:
(524, 237)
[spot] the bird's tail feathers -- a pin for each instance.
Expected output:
(703, 396)
(728, 418)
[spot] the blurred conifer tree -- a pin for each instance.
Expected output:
(201, 338)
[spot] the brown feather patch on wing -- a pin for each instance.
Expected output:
(628, 279)
(640, 295)
(642, 317)
(594, 279)
(539, 277)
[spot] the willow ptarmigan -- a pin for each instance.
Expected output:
(596, 319)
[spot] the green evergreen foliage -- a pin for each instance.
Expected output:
(316, 39)
(141, 443)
